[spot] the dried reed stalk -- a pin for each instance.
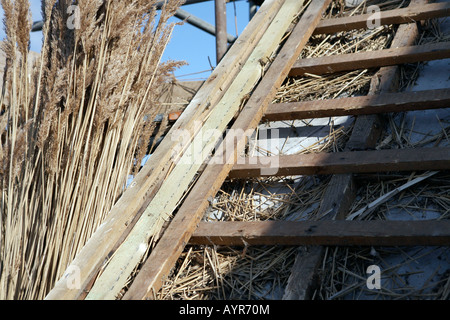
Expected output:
(72, 128)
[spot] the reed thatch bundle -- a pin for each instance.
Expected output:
(72, 127)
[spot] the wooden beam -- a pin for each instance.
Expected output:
(371, 104)
(397, 16)
(371, 59)
(129, 255)
(344, 162)
(324, 233)
(136, 198)
(163, 257)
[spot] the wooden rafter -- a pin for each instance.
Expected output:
(129, 255)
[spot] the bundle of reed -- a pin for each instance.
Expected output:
(72, 127)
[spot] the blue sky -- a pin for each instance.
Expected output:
(194, 45)
(188, 43)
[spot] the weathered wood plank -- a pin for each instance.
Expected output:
(130, 206)
(398, 16)
(173, 241)
(371, 104)
(326, 233)
(371, 59)
(344, 162)
(130, 253)
(301, 285)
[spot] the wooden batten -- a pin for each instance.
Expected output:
(389, 160)
(326, 232)
(413, 13)
(363, 105)
(371, 59)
